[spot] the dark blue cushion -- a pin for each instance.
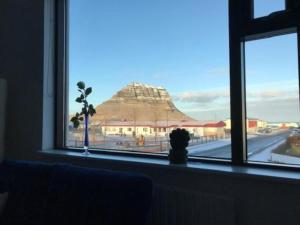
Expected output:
(82, 196)
(27, 184)
(47, 194)
(4, 177)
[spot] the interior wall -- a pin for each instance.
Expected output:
(2, 116)
(21, 64)
(258, 200)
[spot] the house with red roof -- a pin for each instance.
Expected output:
(162, 128)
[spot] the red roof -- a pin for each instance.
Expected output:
(163, 124)
(219, 124)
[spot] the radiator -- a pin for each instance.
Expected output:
(175, 206)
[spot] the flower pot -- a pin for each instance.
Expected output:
(178, 156)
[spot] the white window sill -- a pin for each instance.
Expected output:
(201, 167)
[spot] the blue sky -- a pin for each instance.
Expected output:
(265, 7)
(181, 45)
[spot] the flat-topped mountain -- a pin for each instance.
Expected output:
(141, 93)
(140, 102)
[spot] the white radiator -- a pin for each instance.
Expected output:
(2, 116)
(174, 206)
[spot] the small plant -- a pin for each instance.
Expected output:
(179, 140)
(87, 109)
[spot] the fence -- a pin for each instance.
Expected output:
(147, 144)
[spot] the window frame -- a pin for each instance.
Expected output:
(61, 70)
(242, 27)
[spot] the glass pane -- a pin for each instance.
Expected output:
(273, 100)
(266, 7)
(154, 66)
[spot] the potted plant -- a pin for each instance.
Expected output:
(179, 140)
(86, 111)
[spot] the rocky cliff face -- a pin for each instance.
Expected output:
(140, 102)
(142, 93)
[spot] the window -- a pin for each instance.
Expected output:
(156, 64)
(160, 65)
(263, 53)
(272, 86)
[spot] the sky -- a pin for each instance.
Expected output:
(181, 45)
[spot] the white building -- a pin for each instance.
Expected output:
(161, 128)
(253, 124)
(284, 125)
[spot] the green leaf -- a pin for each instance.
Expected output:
(83, 110)
(81, 118)
(76, 123)
(77, 115)
(88, 91)
(73, 119)
(81, 85)
(79, 100)
(91, 106)
(91, 111)
(82, 96)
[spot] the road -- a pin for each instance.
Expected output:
(255, 145)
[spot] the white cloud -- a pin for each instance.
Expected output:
(271, 94)
(285, 109)
(201, 97)
(269, 104)
(214, 95)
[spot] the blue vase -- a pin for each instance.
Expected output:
(86, 135)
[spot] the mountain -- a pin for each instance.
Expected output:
(140, 102)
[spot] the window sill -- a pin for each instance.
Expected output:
(279, 175)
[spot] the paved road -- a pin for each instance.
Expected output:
(255, 145)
